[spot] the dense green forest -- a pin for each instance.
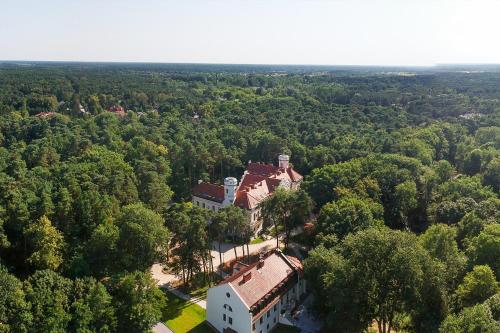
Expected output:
(402, 166)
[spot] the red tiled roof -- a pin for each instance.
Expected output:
(294, 175)
(209, 191)
(277, 269)
(262, 169)
(257, 183)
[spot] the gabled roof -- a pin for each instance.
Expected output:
(209, 191)
(276, 270)
(258, 182)
(262, 169)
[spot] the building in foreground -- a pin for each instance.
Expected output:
(257, 297)
(257, 183)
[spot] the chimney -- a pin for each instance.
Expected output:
(246, 277)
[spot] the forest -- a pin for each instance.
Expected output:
(401, 171)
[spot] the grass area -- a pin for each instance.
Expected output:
(257, 240)
(184, 317)
(285, 329)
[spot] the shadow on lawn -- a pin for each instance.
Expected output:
(174, 306)
(201, 328)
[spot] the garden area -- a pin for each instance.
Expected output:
(184, 317)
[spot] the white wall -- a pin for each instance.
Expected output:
(216, 299)
(210, 205)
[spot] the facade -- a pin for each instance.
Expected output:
(257, 297)
(257, 183)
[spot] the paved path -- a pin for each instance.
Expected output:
(161, 328)
(165, 280)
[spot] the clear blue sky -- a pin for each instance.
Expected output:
(347, 32)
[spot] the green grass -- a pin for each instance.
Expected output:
(257, 240)
(285, 329)
(184, 317)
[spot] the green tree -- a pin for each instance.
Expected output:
(477, 286)
(15, 316)
(439, 241)
(101, 250)
(405, 200)
(92, 308)
(485, 248)
(46, 244)
(190, 241)
(138, 302)
(377, 274)
(48, 293)
(470, 320)
(348, 214)
(491, 174)
(142, 237)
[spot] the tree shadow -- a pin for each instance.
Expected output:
(201, 328)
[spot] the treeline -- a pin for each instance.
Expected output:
(95, 198)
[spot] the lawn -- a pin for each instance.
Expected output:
(184, 317)
(257, 240)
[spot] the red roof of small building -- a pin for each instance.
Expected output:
(254, 282)
(117, 109)
(45, 114)
(209, 191)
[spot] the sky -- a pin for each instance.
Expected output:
(327, 32)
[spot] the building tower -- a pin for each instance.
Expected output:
(283, 161)
(230, 186)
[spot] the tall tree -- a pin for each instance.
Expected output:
(142, 237)
(15, 313)
(48, 293)
(375, 274)
(45, 244)
(477, 286)
(138, 301)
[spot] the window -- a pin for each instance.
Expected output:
(253, 326)
(203, 205)
(198, 203)
(230, 321)
(260, 320)
(228, 307)
(267, 326)
(268, 313)
(274, 308)
(224, 317)
(227, 295)
(274, 321)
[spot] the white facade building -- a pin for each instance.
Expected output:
(257, 183)
(258, 297)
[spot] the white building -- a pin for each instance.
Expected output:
(258, 297)
(257, 183)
